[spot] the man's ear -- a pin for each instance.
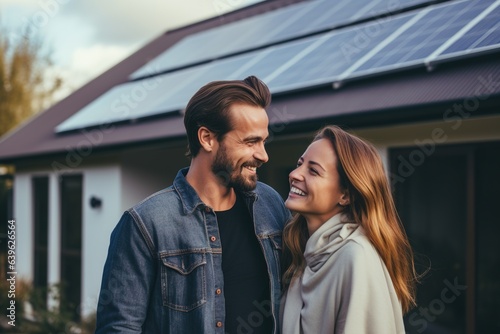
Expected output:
(207, 139)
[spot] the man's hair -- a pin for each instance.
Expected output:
(209, 107)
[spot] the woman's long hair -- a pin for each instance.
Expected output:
(370, 204)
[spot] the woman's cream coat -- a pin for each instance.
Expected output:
(345, 287)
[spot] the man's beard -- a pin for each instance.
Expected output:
(231, 175)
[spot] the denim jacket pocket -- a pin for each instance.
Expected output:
(183, 280)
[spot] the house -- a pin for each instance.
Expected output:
(419, 79)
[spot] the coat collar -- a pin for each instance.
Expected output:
(189, 197)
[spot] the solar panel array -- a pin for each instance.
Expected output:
(332, 57)
(389, 43)
(484, 35)
(269, 28)
(421, 39)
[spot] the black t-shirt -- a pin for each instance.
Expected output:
(246, 280)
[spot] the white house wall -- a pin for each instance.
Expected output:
(23, 215)
(147, 171)
(97, 225)
(485, 128)
(100, 181)
(54, 244)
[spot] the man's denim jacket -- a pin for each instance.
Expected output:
(163, 273)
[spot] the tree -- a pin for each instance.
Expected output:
(26, 86)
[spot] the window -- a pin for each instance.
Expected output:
(40, 187)
(71, 240)
(446, 199)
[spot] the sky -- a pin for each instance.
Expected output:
(86, 37)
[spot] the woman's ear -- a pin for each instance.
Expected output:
(206, 138)
(344, 199)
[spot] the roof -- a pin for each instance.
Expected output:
(412, 95)
(36, 136)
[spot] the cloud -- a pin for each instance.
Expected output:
(119, 21)
(129, 21)
(86, 63)
(90, 36)
(29, 3)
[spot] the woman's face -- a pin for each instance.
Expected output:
(315, 186)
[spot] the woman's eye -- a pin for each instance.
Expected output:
(314, 171)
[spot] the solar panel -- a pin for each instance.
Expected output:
(298, 13)
(265, 29)
(385, 44)
(223, 40)
(170, 86)
(121, 103)
(297, 63)
(157, 95)
(225, 69)
(384, 7)
(314, 19)
(261, 63)
(484, 35)
(435, 26)
(271, 59)
(336, 54)
(188, 51)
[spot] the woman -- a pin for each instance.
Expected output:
(348, 264)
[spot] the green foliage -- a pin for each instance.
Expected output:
(50, 320)
(62, 318)
(25, 84)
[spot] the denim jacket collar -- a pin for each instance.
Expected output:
(189, 197)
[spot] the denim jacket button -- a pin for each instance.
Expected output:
(218, 291)
(212, 238)
(207, 209)
(219, 324)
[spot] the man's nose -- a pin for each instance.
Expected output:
(261, 154)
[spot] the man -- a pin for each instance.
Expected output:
(202, 256)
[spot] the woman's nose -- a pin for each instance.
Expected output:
(295, 174)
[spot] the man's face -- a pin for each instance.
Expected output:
(242, 151)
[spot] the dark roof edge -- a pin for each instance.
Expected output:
(58, 155)
(431, 111)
